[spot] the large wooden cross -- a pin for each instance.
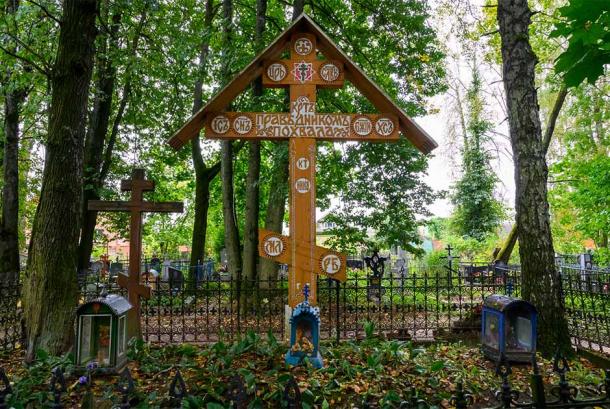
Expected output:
(136, 206)
(303, 73)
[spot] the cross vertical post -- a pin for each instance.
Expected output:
(136, 206)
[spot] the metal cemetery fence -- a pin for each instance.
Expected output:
(418, 302)
(563, 395)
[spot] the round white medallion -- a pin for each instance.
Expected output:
(242, 124)
(302, 163)
(303, 46)
(220, 124)
(277, 72)
(330, 264)
(273, 246)
(329, 72)
(302, 185)
(362, 126)
(384, 126)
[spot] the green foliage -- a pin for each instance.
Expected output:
(586, 25)
(477, 212)
(580, 176)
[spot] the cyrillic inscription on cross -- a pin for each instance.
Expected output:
(303, 73)
(136, 206)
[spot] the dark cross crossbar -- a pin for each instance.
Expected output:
(136, 206)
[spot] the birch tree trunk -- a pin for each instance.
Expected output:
(541, 280)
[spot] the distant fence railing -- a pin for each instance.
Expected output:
(415, 302)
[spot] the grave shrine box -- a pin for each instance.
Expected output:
(101, 335)
(304, 335)
(508, 329)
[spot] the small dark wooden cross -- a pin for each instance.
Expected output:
(136, 206)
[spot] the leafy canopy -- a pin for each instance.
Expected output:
(587, 28)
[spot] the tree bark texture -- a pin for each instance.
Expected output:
(99, 121)
(226, 171)
(203, 174)
(97, 159)
(51, 290)
(511, 240)
(541, 280)
(9, 219)
(250, 255)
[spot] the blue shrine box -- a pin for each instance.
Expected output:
(508, 329)
(304, 335)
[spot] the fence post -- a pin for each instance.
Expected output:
(505, 394)
(337, 312)
(292, 394)
(537, 385)
(57, 386)
(177, 389)
(461, 399)
(125, 386)
(6, 389)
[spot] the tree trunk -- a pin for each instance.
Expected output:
(509, 245)
(541, 280)
(99, 121)
(226, 171)
(51, 290)
(228, 211)
(9, 219)
(276, 207)
(250, 255)
(100, 160)
(203, 174)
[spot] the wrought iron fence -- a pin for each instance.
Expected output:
(563, 395)
(415, 302)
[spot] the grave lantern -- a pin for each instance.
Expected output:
(102, 333)
(508, 329)
(305, 333)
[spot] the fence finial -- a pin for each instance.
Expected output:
(57, 386)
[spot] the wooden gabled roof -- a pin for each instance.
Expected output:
(382, 102)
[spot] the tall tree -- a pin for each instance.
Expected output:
(477, 212)
(541, 280)
(9, 219)
(232, 243)
(250, 255)
(99, 120)
(204, 174)
(50, 291)
(102, 133)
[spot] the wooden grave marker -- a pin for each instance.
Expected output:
(303, 73)
(136, 206)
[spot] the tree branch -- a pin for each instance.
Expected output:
(37, 67)
(550, 127)
(46, 11)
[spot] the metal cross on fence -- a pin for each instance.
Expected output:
(136, 206)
